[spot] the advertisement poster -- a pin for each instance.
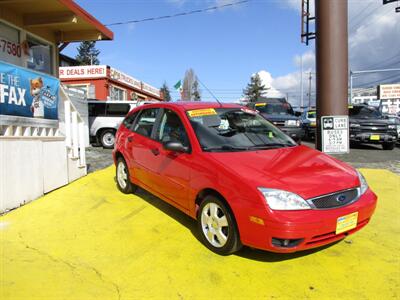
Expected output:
(27, 93)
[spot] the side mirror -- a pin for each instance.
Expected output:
(297, 113)
(175, 147)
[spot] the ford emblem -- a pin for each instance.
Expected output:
(341, 198)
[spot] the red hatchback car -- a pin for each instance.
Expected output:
(241, 178)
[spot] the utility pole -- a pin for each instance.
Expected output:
(309, 89)
(301, 82)
(332, 60)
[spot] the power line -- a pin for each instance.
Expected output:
(191, 12)
(392, 78)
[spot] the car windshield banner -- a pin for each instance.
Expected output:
(27, 93)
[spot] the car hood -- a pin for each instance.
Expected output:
(300, 169)
(370, 121)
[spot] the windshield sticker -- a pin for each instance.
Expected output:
(270, 134)
(224, 125)
(261, 104)
(202, 112)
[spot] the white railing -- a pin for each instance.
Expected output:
(74, 131)
(22, 127)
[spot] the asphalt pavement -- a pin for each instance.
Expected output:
(362, 156)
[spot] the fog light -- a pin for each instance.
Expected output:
(286, 243)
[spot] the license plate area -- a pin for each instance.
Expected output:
(346, 223)
(374, 137)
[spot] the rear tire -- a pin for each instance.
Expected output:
(124, 183)
(217, 226)
(107, 138)
(388, 146)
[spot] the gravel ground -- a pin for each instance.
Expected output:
(363, 156)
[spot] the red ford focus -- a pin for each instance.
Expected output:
(241, 178)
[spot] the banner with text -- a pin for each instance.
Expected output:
(27, 93)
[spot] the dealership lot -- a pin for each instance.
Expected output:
(91, 241)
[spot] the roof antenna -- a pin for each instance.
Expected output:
(220, 104)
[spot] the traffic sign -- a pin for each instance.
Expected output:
(335, 134)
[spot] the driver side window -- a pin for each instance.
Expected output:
(171, 129)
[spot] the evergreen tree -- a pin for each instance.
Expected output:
(165, 90)
(255, 89)
(87, 53)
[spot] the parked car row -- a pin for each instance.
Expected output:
(367, 124)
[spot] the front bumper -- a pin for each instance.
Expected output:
(313, 228)
(371, 137)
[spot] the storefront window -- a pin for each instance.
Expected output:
(10, 48)
(40, 56)
(117, 93)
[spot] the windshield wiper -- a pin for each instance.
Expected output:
(225, 148)
(272, 145)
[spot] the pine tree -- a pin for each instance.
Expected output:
(87, 53)
(254, 89)
(165, 91)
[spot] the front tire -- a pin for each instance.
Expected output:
(124, 184)
(107, 138)
(217, 226)
(388, 146)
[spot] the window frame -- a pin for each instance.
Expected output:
(156, 122)
(158, 125)
(23, 36)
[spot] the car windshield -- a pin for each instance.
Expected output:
(311, 114)
(235, 129)
(363, 112)
(283, 108)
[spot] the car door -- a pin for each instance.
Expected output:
(141, 147)
(173, 169)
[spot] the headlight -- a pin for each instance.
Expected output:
(292, 123)
(363, 183)
(392, 126)
(354, 125)
(283, 200)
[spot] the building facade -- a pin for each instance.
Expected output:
(107, 83)
(37, 153)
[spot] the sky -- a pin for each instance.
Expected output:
(225, 47)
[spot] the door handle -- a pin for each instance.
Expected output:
(130, 139)
(155, 151)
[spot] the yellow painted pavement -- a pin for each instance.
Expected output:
(89, 241)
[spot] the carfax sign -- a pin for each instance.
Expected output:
(27, 93)
(335, 134)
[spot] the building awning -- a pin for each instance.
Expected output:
(68, 21)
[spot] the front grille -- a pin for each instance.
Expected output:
(334, 200)
(279, 123)
(371, 127)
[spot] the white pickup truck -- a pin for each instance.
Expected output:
(105, 118)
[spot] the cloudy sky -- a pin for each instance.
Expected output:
(226, 46)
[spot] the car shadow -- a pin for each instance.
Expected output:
(245, 252)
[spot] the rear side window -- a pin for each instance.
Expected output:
(146, 120)
(117, 110)
(128, 121)
(97, 109)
